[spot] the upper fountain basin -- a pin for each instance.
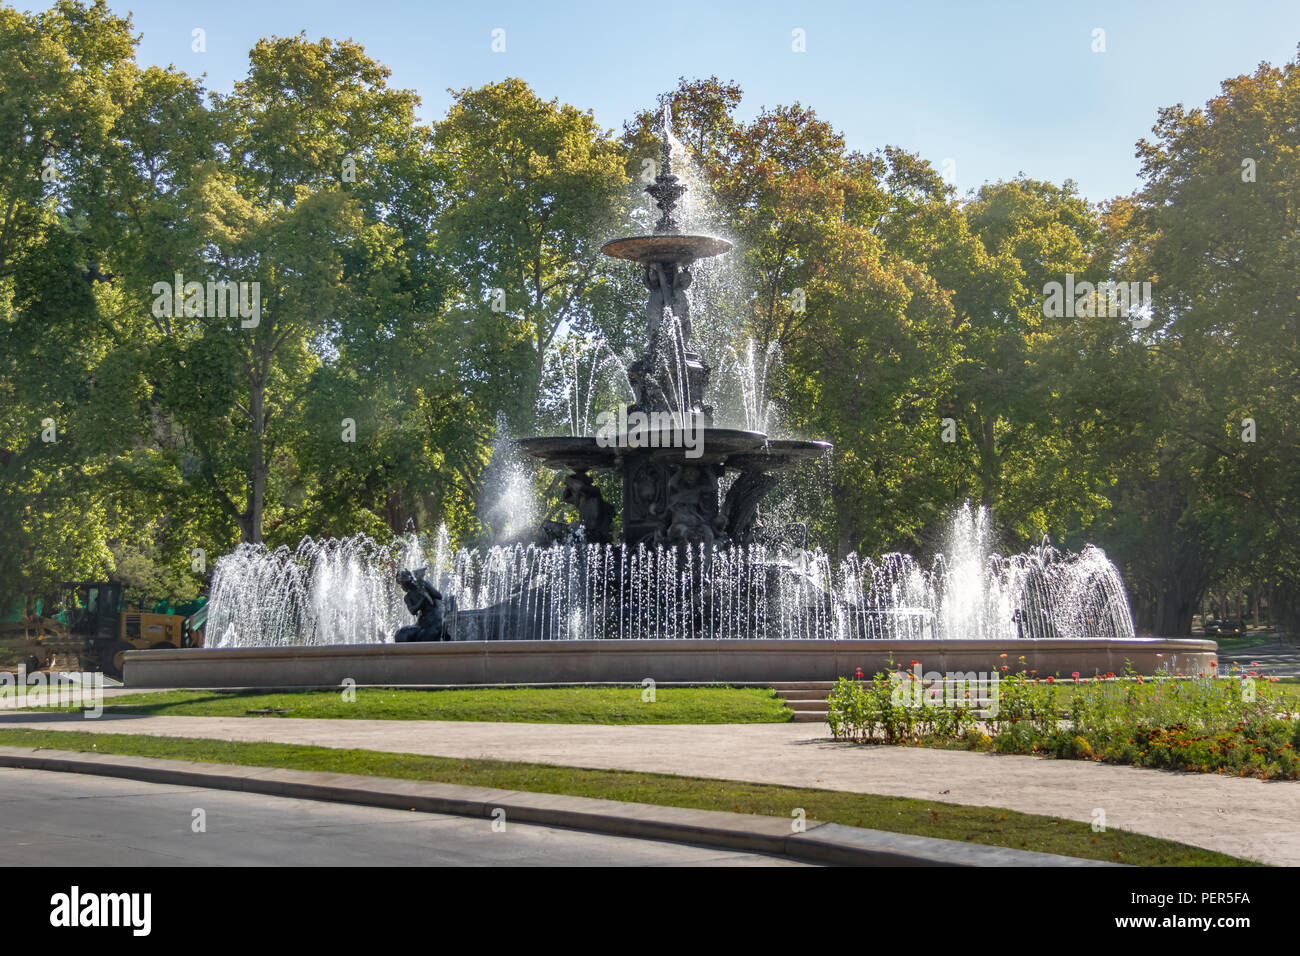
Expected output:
(645, 249)
(735, 448)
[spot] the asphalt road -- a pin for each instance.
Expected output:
(66, 819)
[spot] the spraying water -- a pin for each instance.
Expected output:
(668, 579)
(510, 506)
(343, 592)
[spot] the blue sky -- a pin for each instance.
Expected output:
(998, 87)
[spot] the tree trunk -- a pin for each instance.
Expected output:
(250, 522)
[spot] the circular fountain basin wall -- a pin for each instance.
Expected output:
(664, 661)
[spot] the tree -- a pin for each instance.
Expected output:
(1217, 224)
(272, 211)
(530, 191)
(66, 75)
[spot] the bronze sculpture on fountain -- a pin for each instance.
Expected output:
(670, 497)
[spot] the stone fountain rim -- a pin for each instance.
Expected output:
(699, 660)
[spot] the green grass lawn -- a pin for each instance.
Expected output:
(986, 825)
(1261, 640)
(67, 688)
(554, 705)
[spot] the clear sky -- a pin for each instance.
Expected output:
(997, 87)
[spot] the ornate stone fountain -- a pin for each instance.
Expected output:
(671, 492)
(688, 590)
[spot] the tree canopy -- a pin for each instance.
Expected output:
(294, 309)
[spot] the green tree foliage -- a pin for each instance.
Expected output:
(422, 287)
(65, 76)
(1216, 226)
(530, 190)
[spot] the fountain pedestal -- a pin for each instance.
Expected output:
(667, 501)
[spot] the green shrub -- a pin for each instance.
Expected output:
(885, 710)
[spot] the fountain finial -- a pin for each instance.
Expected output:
(666, 189)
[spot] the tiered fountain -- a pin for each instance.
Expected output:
(687, 586)
(671, 492)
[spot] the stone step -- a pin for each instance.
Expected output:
(802, 694)
(779, 686)
(814, 706)
(810, 717)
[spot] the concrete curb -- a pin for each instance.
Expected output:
(828, 843)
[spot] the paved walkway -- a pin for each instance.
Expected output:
(1273, 658)
(1243, 817)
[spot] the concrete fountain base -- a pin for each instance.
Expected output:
(631, 661)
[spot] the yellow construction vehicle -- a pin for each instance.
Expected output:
(95, 629)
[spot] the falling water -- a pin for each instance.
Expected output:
(510, 506)
(344, 592)
(583, 378)
(743, 393)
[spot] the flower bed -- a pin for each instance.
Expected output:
(1239, 724)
